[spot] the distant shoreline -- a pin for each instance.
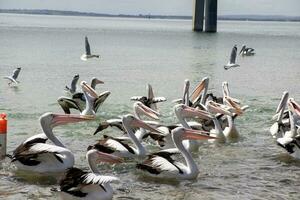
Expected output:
(279, 18)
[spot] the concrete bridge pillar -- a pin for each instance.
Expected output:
(198, 15)
(209, 9)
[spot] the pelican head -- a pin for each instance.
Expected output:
(140, 108)
(181, 133)
(88, 89)
(225, 88)
(199, 88)
(96, 153)
(184, 111)
(233, 106)
(293, 106)
(283, 101)
(213, 107)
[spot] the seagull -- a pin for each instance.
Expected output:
(14, 76)
(247, 51)
(232, 59)
(87, 53)
(73, 87)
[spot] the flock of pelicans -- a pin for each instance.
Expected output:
(201, 116)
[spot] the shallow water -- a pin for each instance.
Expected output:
(164, 53)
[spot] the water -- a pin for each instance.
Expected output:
(164, 53)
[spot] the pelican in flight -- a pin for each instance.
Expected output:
(290, 141)
(150, 100)
(13, 77)
(162, 165)
(247, 51)
(87, 54)
(89, 185)
(232, 60)
(73, 87)
(119, 147)
(35, 155)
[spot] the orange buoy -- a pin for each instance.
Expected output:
(3, 131)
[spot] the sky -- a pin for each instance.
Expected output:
(159, 7)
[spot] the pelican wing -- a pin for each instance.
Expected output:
(16, 73)
(138, 98)
(117, 144)
(87, 46)
(101, 98)
(233, 55)
(91, 178)
(112, 123)
(68, 103)
(11, 79)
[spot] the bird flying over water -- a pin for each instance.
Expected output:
(13, 77)
(232, 59)
(88, 53)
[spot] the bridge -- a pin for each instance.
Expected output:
(205, 15)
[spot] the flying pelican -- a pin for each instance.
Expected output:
(164, 166)
(150, 100)
(87, 54)
(73, 87)
(36, 156)
(13, 77)
(232, 59)
(119, 147)
(290, 141)
(92, 101)
(247, 51)
(89, 185)
(282, 122)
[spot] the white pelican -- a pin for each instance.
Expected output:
(92, 101)
(79, 184)
(119, 147)
(247, 51)
(290, 141)
(150, 100)
(36, 156)
(13, 77)
(282, 122)
(87, 53)
(232, 59)
(73, 88)
(164, 166)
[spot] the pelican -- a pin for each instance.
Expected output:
(13, 77)
(232, 59)
(92, 101)
(35, 155)
(290, 141)
(150, 100)
(79, 184)
(164, 166)
(247, 51)
(73, 87)
(119, 147)
(87, 54)
(79, 96)
(282, 122)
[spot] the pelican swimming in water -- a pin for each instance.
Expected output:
(73, 88)
(35, 155)
(247, 51)
(232, 60)
(92, 101)
(290, 140)
(119, 147)
(13, 77)
(79, 184)
(162, 165)
(150, 100)
(87, 54)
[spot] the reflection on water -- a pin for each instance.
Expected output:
(164, 53)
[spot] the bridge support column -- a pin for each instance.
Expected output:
(198, 15)
(211, 7)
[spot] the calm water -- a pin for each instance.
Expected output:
(164, 53)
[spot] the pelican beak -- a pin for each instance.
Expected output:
(140, 124)
(283, 101)
(148, 111)
(294, 106)
(190, 134)
(189, 112)
(199, 88)
(235, 108)
(62, 119)
(218, 108)
(109, 158)
(225, 88)
(150, 91)
(88, 89)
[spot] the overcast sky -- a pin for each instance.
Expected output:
(163, 7)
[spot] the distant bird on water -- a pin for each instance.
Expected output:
(13, 77)
(247, 51)
(87, 53)
(232, 59)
